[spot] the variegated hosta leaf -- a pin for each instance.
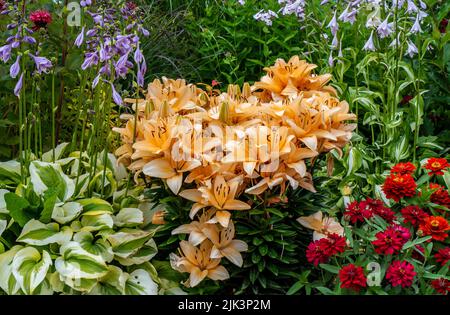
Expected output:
(3, 225)
(113, 283)
(30, 268)
(67, 212)
(77, 263)
(119, 170)
(8, 282)
(140, 283)
(95, 247)
(69, 285)
(59, 151)
(95, 206)
(3, 208)
(144, 254)
(45, 175)
(97, 222)
(110, 183)
(10, 172)
(128, 217)
(40, 234)
(128, 241)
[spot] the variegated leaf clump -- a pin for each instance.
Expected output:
(244, 141)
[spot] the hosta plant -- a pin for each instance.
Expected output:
(58, 236)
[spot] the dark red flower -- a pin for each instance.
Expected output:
(413, 215)
(131, 5)
(440, 196)
(399, 186)
(418, 253)
(377, 207)
(403, 168)
(355, 212)
(441, 285)
(443, 255)
(2, 5)
(391, 241)
(40, 18)
(316, 252)
(352, 277)
(436, 227)
(443, 26)
(405, 100)
(436, 166)
(334, 244)
(400, 273)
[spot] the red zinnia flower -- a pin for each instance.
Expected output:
(377, 207)
(320, 251)
(391, 240)
(316, 253)
(440, 196)
(436, 166)
(436, 227)
(441, 285)
(399, 186)
(400, 273)
(334, 244)
(413, 215)
(352, 277)
(443, 255)
(355, 212)
(40, 18)
(403, 168)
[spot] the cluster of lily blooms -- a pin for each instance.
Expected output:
(413, 217)
(212, 147)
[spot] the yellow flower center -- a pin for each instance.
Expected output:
(398, 179)
(436, 164)
(435, 223)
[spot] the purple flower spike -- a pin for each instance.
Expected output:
(116, 96)
(19, 85)
(416, 26)
(369, 45)
(5, 53)
(42, 64)
(95, 82)
(412, 49)
(91, 32)
(80, 38)
(30, 40)
(91, 59)
(138, 57)
(385, 29)
(15, 68)
(15, 44)
(333, 25)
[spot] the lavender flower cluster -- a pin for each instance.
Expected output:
(21, 35)
(110, 44)
(375, 15)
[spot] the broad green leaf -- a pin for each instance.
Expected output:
(129, 217)
(44, 175)
(144, 254)
(59, 151)
(50, 198)
(113, 283)
(8, 282)
(3, 225)
(16, 206)
(97, 222)
(140, 283)
(67, 212)
(127, 242)
(40, 234)
(95, 206)
(77, 263)
(30, 268)
(95, 247)
(3, 208)
(10, 173)
(354, 161)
